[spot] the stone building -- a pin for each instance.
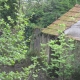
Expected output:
(69, 23)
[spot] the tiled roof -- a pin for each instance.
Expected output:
(64, 22)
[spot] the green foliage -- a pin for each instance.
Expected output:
(43, 13)
(28, 35)
(16, 75)
(12, 42)
(61, 57)
(13, 45)
(9, 8)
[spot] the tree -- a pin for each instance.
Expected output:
(9, 8)
(13, 48)
(43, 12)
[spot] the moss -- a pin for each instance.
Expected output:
(64, 22)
